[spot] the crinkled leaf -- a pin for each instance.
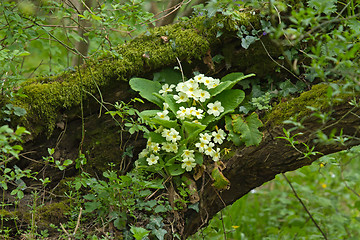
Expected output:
(325, 6)
(146, 88)
(248, 128)
(232, 136)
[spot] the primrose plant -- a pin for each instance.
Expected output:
(185, 127)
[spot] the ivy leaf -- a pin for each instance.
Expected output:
(146, 88)
(247, 41)
(155, 222)
(287, 88)
(139, 232)
(159, 233)
(248, 128)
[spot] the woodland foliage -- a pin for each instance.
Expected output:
(195, 120)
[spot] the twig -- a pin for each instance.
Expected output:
(78, 222)
(181, 70)
(223, 225)
(70, 236)
(66, 232)
(305, 208)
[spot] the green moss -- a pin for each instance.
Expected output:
(316, 98)
(48, 97)
(53, 213)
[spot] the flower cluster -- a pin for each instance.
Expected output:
(193, 104)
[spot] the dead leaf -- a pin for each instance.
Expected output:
(207, 59)
(165, 39)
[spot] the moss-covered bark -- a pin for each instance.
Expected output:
(47, 97)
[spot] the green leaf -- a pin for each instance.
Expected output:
(18, 111)
(160, 209)
(155, 222)
(147, 114)
(194, 206)
(120, 223)
(146, 88)
(357, 205)
(23, 54)
(287, 88)
(199, 158)
(220, 181)
(248, 128)
(51, 151)
(192, 130)
(156, 137)
(168, 75)
(228, 82)
(67, 162)
(92, 206)
(156, 184)
(229, 99)
(139, 232)
(21, 130)
(232, 136)
(159, 233)
(175, 169)
(164, 123)
(173, 106)
(236, 76)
